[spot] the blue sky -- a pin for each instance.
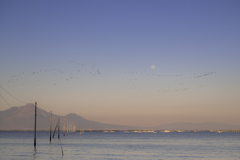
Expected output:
(94, 58)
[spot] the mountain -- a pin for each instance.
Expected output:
(87, 124)
(22, 118)
(197, 126)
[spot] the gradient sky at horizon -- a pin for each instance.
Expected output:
(94, 58)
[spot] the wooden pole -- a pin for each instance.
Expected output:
(50, 127)
(67, 127)
(64, 126)
(35, 124)
(58, 126)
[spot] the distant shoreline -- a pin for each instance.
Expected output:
(139, 131)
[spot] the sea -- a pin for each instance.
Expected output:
(120, 145)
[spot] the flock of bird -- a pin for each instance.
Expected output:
(81, 72)
(132, 79)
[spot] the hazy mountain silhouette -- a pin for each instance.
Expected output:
(197, 126)
(22, 118)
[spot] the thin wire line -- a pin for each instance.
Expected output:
(5, 101)
(12, 95)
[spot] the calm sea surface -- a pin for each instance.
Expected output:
(120, 145)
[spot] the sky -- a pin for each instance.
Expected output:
(136, 63)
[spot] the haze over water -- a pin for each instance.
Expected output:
(138, 63)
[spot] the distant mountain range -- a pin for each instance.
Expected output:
(22, 118)
(197, 126)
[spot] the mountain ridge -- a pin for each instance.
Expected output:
(22, 118)
(197, 126)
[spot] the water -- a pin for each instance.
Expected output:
(120, 145)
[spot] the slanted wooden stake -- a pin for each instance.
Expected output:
(50, 127)
(35, 124)
(55, 130)
(61, 146)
